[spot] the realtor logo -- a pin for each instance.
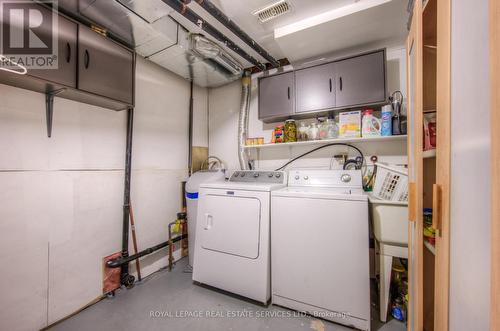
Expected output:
(28, 34)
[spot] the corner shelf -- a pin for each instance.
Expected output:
(430, 247)
(429, 154)
(328, 141)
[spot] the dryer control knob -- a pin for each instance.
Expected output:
(297, 177)
(270, 175)
(256, 174)
(346, 178)
(306, 177)
(278, 175)
(242, 174)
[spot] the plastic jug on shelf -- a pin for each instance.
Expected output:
(370, 125)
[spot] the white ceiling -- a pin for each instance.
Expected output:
(377, 24)
(384, 22)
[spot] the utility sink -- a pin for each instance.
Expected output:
(390, 221)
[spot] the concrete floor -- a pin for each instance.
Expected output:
(158, 302)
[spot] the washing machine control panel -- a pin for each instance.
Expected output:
(326, 178)
(251, 176)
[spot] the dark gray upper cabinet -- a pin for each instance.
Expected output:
(315, 88)
(351, 82)
(276, 96)
(104, 67)
(360, 80)
(65, 74)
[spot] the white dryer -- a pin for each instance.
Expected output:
(232, 249)
(320, 246)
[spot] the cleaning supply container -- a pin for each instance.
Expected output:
(370, 125)
(192, 189)
(386, 127)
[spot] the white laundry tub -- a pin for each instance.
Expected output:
(390, 221)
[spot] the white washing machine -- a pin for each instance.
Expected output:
(320, 246)
(232, 249)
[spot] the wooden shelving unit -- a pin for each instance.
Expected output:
(428, 61)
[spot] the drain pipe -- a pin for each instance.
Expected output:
(126, 278)
(122, 261)
(243, 119)
(190, 139)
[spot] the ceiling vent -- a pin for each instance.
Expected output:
(272, 11)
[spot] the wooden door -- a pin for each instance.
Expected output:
(441, 205)
(494, 21)
(415, 165)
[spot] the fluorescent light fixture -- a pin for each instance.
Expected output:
(22, 69)
(207, 49)
(326, 17)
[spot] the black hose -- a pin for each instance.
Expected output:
(320, 147)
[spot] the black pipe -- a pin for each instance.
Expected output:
(183, 9)
(228, 23)
(125, 276)
(190, 138)
(124, 261)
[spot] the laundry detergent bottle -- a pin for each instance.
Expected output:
(370, 125)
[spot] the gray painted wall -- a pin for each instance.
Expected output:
(470, 169)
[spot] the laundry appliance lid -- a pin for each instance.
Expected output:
(321, 193)
(227, 185)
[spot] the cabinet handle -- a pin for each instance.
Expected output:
(436, 208)
(288, 92)
(330, 85)
(340, 85)
(86, 59)
(208, 221)
(412, 202)
(68, 52)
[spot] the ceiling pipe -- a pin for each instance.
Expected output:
(228, 23)
(189, 14)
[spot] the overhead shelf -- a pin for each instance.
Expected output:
(328, 141)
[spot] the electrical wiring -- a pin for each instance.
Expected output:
(321, 147)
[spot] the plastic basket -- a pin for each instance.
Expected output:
(391, 183)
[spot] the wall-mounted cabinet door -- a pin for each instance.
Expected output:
(65, 74)
(104, 67)
(360, 80)
(315, 88)
(276, 96)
